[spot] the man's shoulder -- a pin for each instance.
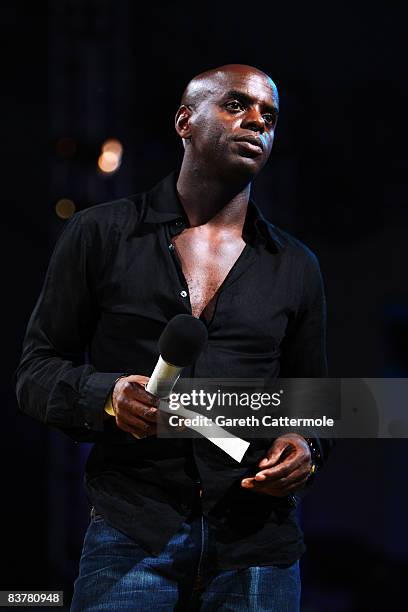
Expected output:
(287, 243)
(122, 211)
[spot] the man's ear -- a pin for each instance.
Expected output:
(182, 122)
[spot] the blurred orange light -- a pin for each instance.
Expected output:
(109, 161)
(111, 156)
(112, 145)
(65, 208)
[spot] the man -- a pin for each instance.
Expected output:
(176, 523)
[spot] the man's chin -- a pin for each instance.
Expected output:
(245, 167)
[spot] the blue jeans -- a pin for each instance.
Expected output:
(115, 573)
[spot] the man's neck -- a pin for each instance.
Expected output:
(210, 201)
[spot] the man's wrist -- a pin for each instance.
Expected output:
(109, 409)
(315, 456)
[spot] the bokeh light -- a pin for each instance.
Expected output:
(65, 208)
(111, 157)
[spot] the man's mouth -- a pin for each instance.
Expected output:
(252, 146)
(257, 142)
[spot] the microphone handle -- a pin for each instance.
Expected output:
(164, 377)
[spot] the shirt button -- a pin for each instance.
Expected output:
(183, 293)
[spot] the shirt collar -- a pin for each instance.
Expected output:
(163, 205)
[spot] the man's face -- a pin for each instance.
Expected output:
(234, 124)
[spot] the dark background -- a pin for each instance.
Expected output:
(337, 179)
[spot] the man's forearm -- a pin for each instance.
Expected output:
(53, 391)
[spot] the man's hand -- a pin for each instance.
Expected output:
(135, 408)
(285, 469)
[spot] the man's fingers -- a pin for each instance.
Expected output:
(276, 453)
(280, 483)
(281, 475)
(133, 387)
(137, 426)
(136, 391)
(295, 486)
(138, 409)
(136, 415)
(274, 489)
(282, 470)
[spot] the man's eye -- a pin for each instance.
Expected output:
(234, 105)
(270, 119)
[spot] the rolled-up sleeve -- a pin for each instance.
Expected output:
(54, 382)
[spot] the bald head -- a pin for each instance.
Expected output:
(206, 83)
(227, 120)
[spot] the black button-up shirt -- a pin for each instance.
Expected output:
(113, 283)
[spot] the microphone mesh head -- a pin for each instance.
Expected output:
(182, 340)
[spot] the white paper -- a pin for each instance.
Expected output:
(232, 445)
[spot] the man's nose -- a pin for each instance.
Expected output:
(253, 120)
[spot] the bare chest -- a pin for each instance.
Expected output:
(205, 263)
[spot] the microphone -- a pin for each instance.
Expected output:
(180, 344)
